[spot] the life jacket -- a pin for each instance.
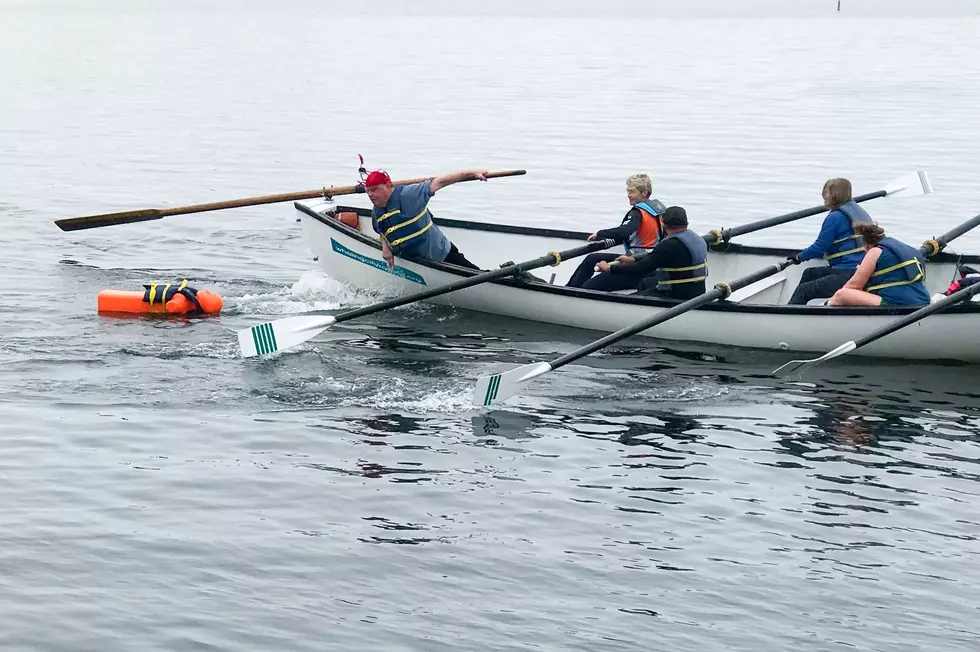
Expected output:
(651, 228)
(968, 276)
(667, 277)
(899, 273)
(961, 284)
(848, 250)
(410, 233)
(154, 294)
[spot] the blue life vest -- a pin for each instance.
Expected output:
(697, 271)
(651, 230)
(154, 294)
(847, 251)
(899, 274)
(409, 229)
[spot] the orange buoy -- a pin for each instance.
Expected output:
(161, 298)
(350, 218)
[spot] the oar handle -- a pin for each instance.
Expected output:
(551, 258)
(724, 235)
(720, 291)
(934, 246)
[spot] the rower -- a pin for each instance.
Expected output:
(675, 269)
(836, 242)
(891, 273)
(639, 232)
(402, 218)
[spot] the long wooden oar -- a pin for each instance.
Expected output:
(928, 248)
(147, 214)
(284, 333)
(499, 387)
(913, 184)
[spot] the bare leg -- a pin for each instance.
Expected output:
(850, 297)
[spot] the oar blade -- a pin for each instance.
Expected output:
(500, 387)
(108, 219)
(794, 365)
(280, 334)
(914, 184)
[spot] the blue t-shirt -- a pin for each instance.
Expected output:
(411, 200)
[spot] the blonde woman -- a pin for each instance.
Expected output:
(639, 232)
(836, 243)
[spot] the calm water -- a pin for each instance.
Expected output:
(158, 492)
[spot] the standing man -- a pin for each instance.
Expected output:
(401, 217)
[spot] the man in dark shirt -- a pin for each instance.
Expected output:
(675, 269)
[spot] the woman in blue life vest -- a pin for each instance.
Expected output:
(402, 218)
(639, 232)
(892, 273)
(836, 243)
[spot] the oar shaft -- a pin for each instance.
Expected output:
(332, 191)
(720, 291)
(510, 270)
(946, 238)
(728, 234)
(957, 297)
(253, 201)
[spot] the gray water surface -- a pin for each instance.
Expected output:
(159, 492)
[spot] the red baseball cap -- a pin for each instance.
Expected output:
(377, 178)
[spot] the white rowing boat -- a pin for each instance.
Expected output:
(754, 317)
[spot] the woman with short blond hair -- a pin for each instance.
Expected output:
(639, 232)
(837, 243)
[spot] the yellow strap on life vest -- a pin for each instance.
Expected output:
(153, 295)
(395, 243)
(882, 286)
(842, 253)
(684, 269)
(407, 222)
(847, 252)
(389, 214)
(163, 294)
(683, 280)
(163, 297)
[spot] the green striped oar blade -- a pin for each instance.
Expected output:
(499, 387)
(273, 336)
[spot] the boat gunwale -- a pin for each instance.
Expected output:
(596, 295)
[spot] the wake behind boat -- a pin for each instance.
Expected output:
(757, 316)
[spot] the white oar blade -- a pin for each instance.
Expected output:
(914, 184)
(281, 334)
(500, 387)
(793, 365)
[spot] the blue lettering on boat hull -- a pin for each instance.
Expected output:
(406, 274)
